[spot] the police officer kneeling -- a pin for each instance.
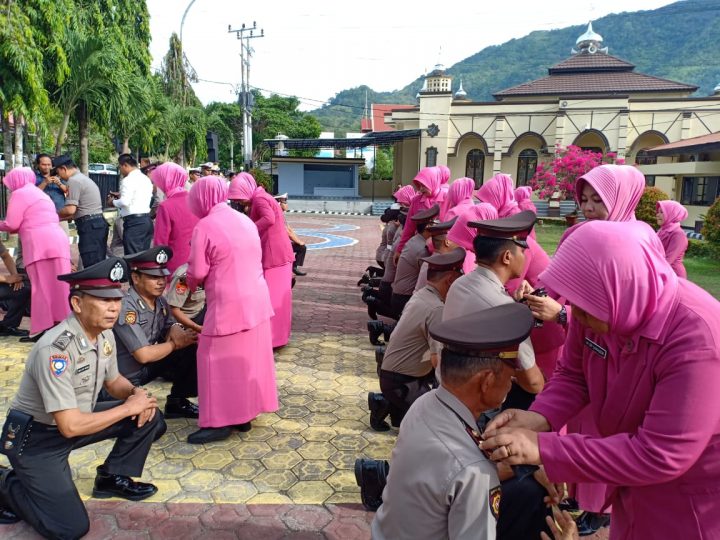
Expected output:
(55, 412)
(441, 485)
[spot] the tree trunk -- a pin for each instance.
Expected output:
(19, 139)
(126, 145)
(61, 133)
(7, 141)
(82, 121)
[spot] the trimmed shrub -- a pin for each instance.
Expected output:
(711, 227)
(263, 179)
(645, 210)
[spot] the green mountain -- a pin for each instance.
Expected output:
(677, 42)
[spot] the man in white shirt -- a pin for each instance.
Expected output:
(134, 205)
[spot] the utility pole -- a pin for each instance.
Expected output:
(247, 101)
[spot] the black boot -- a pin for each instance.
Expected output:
(178, 407)
(371, 476)
(379, 355)
(116, 485)
(387, 331)
(379, 409)
(376, 329)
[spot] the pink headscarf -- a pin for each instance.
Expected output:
(460, 190)
(18, 178)
(617, 273)
(523, 196)
(207, 193)
(674, 213)
(404, 195)
(170, 178)
(430, 178)
(499, 192)
(243, 187)
(619, 186)
(461, 233)
(444, 174)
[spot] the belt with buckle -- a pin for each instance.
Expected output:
(88, 217)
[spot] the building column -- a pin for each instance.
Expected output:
(622, 134)
(498, 144)
(559, 130)
(686, 126)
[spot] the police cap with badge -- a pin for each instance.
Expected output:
(103, 279)
(441, 227)
(426, 216)
(515, 228)
(445, 262)
(152, 261)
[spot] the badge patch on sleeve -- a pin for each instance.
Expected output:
(58, 364)
(181, 288)
(494, 501)
(130, 317)
(107, 348)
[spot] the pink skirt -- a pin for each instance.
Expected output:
(236, 377)
(48, 296)
(279, 281)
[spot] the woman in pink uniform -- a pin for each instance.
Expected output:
(46, 250)
(463, 235)
(642, 352)
(427, 183)
(236, 369)
(174, 222)
(523, 197)
(674, 240)
(277, 253)
(499, 191)
(404, 196)
(460, 197)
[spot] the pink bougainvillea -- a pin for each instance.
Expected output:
(570, 162)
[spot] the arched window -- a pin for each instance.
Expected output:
(475, 166)
(527, 163)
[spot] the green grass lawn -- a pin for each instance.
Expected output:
(703, 272)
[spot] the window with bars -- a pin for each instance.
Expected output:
(475, 166)
(527, 163)
(431, 156)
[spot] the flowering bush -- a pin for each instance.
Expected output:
(559, 175)
(646, 208)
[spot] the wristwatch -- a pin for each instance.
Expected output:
(562, 316)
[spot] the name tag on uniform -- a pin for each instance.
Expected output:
(597, 349)
(82, 369)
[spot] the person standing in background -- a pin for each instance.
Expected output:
(669, 216)
(134, 202)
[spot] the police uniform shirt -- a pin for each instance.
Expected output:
(440, 485)
(138, 326)
(408, 266)
(410, 346)
(390, 266)
(478, 290)
(83, 193)
(179, 295)
(65, 371)
(422, 277)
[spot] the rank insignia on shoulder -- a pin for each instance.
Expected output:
(58, 364)
(63, 340)
(494, 501)
(131, 317)
(107, 347)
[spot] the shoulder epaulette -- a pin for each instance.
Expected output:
(63, 340)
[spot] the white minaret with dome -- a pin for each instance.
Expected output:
(589, 43)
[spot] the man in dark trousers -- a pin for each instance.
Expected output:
(133, 202)
(84, 207)
(55, 411)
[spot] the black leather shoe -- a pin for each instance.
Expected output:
(371, 476)
(10, 331)
(387, 331)
(31, 339)
(7, 516)
(244, 428)
(379, 355)
(176, 407)
(376, 329)
(208, 435)
(299, 272)
(117, 485)
(379, 409)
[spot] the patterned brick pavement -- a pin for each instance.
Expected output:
(291, 476)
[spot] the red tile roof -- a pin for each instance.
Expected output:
(591, 62)
(378, 112)
(711, 141)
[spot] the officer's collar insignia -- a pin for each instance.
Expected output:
(117, 272)
(63, 340)
(130, 318)
(82, 342)
(58, 364)
(161, 257)
(494, 501)
(141, 303)
(164, 310)
(107, 347)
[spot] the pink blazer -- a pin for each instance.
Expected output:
(676, 244)
(225, 257)
(31, 213)
(657, 408)
(174, 225)
(267, 215)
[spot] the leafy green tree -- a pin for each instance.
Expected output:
(383, 169)
(225, 119)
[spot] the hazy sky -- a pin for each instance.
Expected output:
(314, 49)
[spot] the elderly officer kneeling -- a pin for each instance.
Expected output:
(55, 412)
(441, 484)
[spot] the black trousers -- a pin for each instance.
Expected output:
(92, 239)
(137, 233)
(401, 391)
(16, 303)
(398, 303)
(300, 251)
(180, 367)
(39, 488)
(522, 510)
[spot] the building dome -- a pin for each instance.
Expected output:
(590, 42)
(716, 91)
(461, 94)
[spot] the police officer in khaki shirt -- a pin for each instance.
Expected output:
(441, 485)
(406, 372)
(55, 412)
(187, 307)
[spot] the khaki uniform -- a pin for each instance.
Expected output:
(422, 277)
(179, 295)
(440, 485)
(408, 266)
(478, 290)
